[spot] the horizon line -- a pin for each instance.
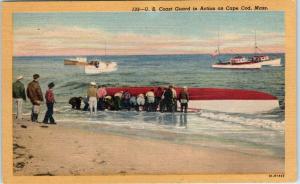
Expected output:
(144, 54)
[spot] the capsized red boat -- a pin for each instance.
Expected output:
(217, 99)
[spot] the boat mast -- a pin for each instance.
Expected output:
(255, 44)
(105, 48)
(218, 47)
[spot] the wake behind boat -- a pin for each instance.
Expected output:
(98, 67)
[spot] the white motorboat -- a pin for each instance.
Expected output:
(98, 67)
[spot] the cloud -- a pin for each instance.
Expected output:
(62, 40)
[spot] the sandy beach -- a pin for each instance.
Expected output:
(75, 149)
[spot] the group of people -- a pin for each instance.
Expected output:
(35, 95)
(161, 99)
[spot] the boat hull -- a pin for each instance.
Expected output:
(73, 62)
(218, 99)
(235, 106)
(238, 66)
(272, 62)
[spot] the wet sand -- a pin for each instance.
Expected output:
(62, 149)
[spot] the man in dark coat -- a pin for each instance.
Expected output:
(168, 97)
(34, 93)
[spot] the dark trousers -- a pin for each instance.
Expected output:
(150, 107)
(34, 116)
(117, 103)
(157, 102)
(126, 104)
(185, 106)
(162, 105)
(171, 105)
(49, 113)
(101, 104)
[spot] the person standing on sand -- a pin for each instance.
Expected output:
(49, 96)
(168, 97)
(34, 93)
(19, 95)
(184, 99)
(92, 95)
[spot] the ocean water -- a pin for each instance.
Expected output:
(261, 133)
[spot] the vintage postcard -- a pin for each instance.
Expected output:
(158, 91)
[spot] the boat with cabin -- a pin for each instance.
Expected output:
(237, 62)
(263, 60)
(98, 66)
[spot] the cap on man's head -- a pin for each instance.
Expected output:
(51, 85)
(20, 77)
(36, 76)
(93, 83)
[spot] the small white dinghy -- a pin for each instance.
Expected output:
(100, 67)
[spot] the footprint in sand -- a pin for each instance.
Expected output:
(102, 162)
(122, 172)
(20, 165)
(23, 126)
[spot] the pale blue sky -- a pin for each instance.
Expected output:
(196, 23)
(146, 33)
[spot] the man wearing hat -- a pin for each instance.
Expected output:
(19, 95)
(92, 96)
(34, 93)
(49, 96)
